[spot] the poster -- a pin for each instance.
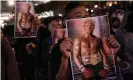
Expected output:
(87, 34)
(25, 20)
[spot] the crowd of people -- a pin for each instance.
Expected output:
(39, 58)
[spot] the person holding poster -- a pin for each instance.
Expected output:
(92, 55)
(25, 21)
(58, 73)
(75, 10)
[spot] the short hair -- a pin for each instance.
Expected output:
(72, 5)
(89, 21)
(57, 18)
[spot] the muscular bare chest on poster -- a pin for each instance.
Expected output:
(89, 46)
(90, 51)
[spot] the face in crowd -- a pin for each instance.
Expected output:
(60, 33)
(55, 24)
(78, 12)
(89, 26)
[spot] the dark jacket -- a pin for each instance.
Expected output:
(8, 62)
(126, 52)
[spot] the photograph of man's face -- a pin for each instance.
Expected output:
(90, 25)
(27, 8)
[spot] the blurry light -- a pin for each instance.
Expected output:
(51, 13)
(107, 3)
(92, 10)
(2, 25)
(11, 2)
(46, 1)
(130, 1)
(95, 6)
(1, 21)
(87, 9)
(36, 4)
(110, 4)
(115, 2)
(4, 18)
(60, 15)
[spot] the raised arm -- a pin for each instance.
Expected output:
(76, 52)
(104, 57)
(18, 22)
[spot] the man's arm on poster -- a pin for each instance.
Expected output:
(33, 23)
(76, 51)
(18, 22)
(104, 58)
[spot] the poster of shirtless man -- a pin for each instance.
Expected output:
(88, 53)
(24, 20)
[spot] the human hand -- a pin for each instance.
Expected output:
(66, 46)
(111, 44)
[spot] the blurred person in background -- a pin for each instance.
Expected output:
(119, 15)
(125, 56)
(114, 25)
(46, 49)
(55, 53)
(43, 42)
(125, 14)
(9, 68)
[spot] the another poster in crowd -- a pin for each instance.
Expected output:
(25, 20)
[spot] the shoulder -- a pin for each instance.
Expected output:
(98, 39)
(128, 39)
(78, 39)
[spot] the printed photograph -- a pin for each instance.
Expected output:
(88, 35)
(25, 20)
